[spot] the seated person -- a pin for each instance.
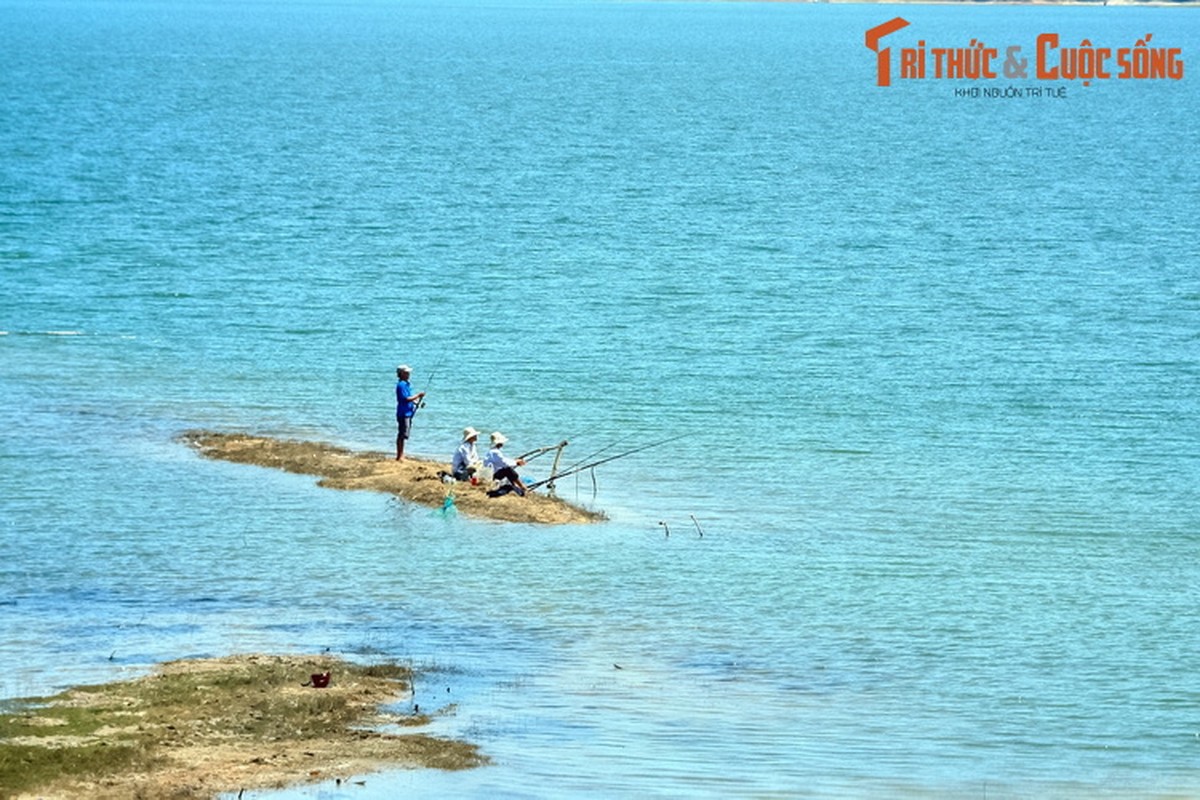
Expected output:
(466, 461)
(503, 468)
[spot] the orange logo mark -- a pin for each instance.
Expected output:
(883, 58)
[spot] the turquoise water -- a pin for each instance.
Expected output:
(934, 359)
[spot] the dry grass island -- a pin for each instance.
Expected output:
(199, 728)
(413, 479)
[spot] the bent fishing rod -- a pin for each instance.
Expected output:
(583, 467)
(537, 451)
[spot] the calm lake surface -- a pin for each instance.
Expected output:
(934, 358)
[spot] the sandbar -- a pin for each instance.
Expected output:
(416, 480)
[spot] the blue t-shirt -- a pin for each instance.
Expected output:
(404, 408)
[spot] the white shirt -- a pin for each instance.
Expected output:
(497, 460)
(464, 457)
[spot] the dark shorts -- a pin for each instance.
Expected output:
(506, 474)
(510, 476)
(402, 427)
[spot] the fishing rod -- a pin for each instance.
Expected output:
(558, 451)
(537, 451)
(554, 473)
(593, 454)
(421, 403)
(573, 470)
(428, 384)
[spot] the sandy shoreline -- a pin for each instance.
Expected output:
(414, 479)
(199, 728)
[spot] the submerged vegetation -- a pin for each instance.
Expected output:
(198, 728)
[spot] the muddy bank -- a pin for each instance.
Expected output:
(198, 728)
(413, 479)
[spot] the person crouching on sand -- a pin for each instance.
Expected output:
(466, 460)
(504, 468)
(406, 406)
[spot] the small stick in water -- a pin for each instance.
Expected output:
(665, 528)
(699, 530)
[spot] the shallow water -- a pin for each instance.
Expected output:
(934, 357)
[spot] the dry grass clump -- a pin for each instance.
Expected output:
(195, 729)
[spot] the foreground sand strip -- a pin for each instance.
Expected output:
(413, 479)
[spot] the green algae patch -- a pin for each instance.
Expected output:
(25, 768)
(198, 728)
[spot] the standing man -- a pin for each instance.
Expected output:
(406, 406)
